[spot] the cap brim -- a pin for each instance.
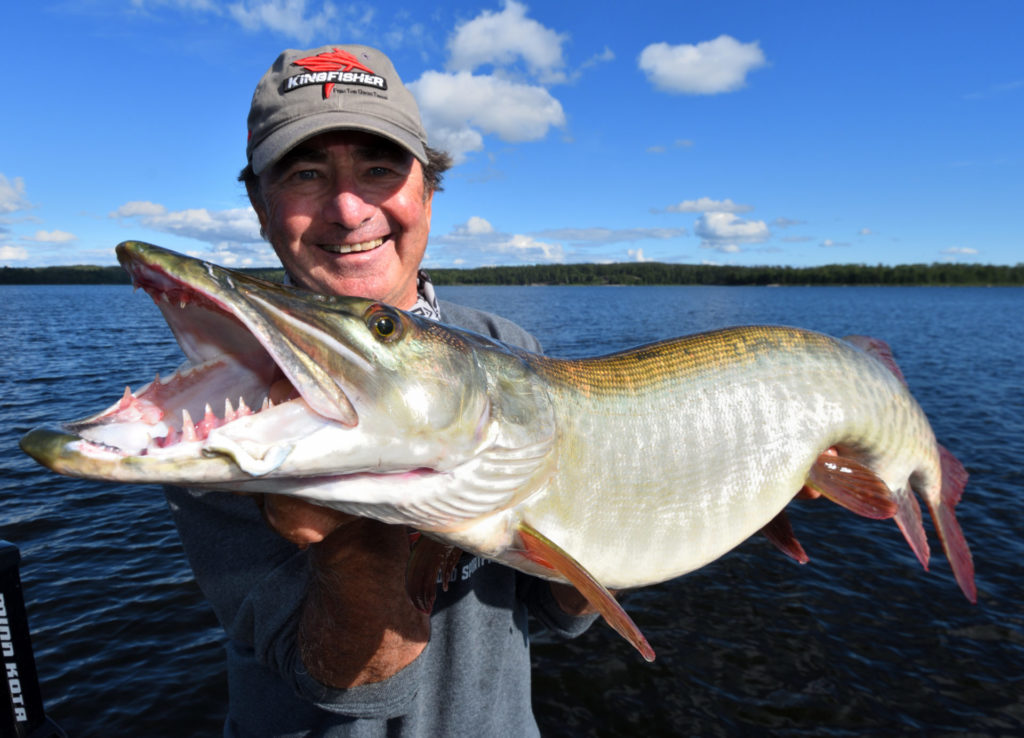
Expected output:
(277, 144)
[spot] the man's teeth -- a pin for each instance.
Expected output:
(351, 248)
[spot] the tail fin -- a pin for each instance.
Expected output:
(954, 479)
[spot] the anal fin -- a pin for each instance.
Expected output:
(780, 532)
(543, 551)
(851, 484)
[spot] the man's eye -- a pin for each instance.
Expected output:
(306, 174)
(380, 171)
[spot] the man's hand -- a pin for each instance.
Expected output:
(358, 624)
(300, 522)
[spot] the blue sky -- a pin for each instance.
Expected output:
(796, 133)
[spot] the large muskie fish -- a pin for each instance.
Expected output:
(611, 472)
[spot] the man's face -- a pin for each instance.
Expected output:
(347, 214)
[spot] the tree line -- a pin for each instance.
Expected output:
(631, 273)
(85, 274)
(657, 273)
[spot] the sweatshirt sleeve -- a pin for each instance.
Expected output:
(541, 602)
(254, 579)
(256, 582)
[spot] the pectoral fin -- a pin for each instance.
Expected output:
(851, 484)
(548, 554)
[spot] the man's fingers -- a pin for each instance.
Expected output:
(301, 522)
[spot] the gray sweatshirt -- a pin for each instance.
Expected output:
(472, 679)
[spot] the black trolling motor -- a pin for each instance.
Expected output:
(21, 708)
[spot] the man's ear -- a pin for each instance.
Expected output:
(256, 200)
(428, 206)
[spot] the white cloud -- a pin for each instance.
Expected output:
(725, 232)
(598, 235)
(526, 248)
(479, 237)
(235, 226)
(12, 195)
(54, 236)
(477, 226)
(142, 208)
(292, 18)
(477, 241)
(864, 232)
(501, 39)
(828, 243)
(960, 251)
(707, 205)
(706, 68)
(235, 256)
(13, 253)
(781, 222)
(459, 108)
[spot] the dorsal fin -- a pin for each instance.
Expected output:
(880, 350)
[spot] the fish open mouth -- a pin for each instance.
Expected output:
(232, 376)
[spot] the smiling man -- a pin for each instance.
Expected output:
(322, 637)
(348, 213)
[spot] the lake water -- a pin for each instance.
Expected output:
(860, 641)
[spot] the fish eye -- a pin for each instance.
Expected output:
(384, 323)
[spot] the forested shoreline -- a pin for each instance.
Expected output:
(632, 273)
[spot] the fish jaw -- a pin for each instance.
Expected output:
(355, 406)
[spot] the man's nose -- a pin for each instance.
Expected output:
(347, 207)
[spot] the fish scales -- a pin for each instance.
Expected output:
(762, 402)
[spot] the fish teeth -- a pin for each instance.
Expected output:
(188, 428)
(229, 411)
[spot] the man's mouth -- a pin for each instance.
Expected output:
(351, 248)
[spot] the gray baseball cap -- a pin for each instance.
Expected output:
(333, 87)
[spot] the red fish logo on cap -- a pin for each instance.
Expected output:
(332, 61)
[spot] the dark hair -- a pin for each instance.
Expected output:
(438, 162)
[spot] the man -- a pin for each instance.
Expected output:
(323, 639)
